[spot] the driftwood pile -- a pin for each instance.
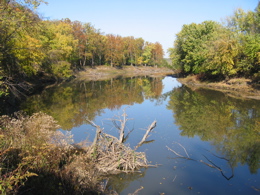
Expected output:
(110, 153)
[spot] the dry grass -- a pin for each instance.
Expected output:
(107, 72)
(235, 87)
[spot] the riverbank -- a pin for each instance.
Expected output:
(107, 72)
(236, 87)
(23, 88)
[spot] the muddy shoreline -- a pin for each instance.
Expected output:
(236, 87)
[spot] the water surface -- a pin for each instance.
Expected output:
(217, 136)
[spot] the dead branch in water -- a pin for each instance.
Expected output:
(177, 154)
(150, 128)
(121, 126)
(210, 164)
(146, 135)
(98, 132)
(137, 191)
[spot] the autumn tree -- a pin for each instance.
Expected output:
(157, 54)
(79, 34)
(90, 47)
(100, 42)
(31, 46)
(138, 49)
(129, 43)
(95, 44)
(114, 50)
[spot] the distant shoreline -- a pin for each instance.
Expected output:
(106, 72)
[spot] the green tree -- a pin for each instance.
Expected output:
(138, 49)
(245, 26)
(189, 52)
(19, 41)
(251, 51)
(61, 46)
(146, 57)
(91, 46)
(224, 51)
(222, 54)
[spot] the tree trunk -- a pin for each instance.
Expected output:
(92, 61)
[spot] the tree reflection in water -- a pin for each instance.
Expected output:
(71, 103)
(232, 125)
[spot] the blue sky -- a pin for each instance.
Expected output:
(153, 20)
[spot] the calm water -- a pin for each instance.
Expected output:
(219, 136)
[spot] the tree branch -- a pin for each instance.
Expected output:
(146, 135)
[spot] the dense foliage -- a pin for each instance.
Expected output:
(30, 45)
(213, 49)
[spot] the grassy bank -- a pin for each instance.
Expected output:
(236, 87)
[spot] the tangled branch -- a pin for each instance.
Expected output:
(111, 155)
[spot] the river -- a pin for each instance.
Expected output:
(205, 142)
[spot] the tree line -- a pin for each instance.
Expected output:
(30, 45)
(215, 50)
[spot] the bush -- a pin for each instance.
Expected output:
(62, 69)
